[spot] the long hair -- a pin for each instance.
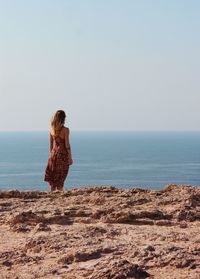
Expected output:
(58, 121)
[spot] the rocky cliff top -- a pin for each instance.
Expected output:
(101, 233)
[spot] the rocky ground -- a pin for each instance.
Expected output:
(101, 233)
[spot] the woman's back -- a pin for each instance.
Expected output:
(60, 133)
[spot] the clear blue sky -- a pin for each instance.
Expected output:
(110, 64)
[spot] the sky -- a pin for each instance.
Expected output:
(110, 64)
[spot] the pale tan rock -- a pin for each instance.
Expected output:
(101, 233)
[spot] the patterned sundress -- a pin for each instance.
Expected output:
(58, 166)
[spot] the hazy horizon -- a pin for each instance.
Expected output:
(107, 131)
(111, 65)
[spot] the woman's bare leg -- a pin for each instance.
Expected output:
(52, 187)
(60, 187)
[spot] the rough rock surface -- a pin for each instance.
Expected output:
(101, 233)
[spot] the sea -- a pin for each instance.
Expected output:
(122, 159)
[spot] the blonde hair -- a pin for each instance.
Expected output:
(57, 122)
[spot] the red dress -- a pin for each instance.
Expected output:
(58, 166)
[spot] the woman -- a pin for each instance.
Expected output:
(60, 153)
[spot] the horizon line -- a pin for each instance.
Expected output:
(142, 131)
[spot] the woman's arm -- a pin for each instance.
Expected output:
(50, 141)
(67, 145)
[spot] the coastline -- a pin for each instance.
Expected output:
(100, 233)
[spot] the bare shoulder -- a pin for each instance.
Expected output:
(66, 129)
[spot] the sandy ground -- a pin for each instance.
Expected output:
(101, 233)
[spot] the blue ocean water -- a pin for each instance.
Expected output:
(122, 159)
